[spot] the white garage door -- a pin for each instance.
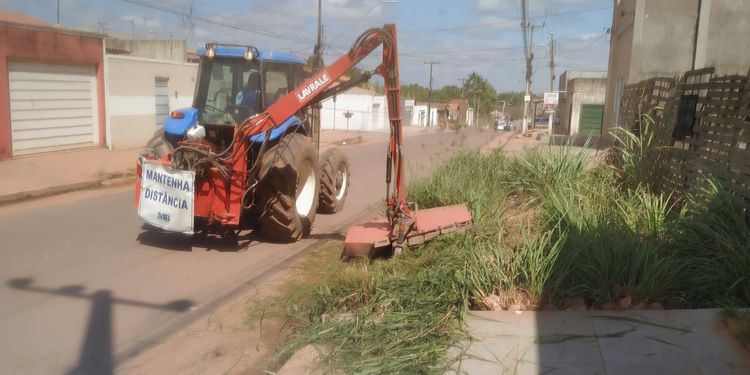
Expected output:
(52, 107)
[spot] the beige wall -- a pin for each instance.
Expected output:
(131, 104)
(663, 36)
(581, 91)
(621, 45)
(172, 50)
(723, 40)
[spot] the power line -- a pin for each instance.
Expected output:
(593, 42)
(513, 20)
(208, 20)
(337, 36)
(488, 49)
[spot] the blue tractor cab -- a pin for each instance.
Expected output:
(235, 83)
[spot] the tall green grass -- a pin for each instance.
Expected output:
(550, 224)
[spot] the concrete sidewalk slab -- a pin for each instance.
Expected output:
(601, 342)
(39, 175)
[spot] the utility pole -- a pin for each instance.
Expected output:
(551, 62)
(317, 58)
(317, 64)
(551, 77)
(58, 12)
(429, 93)
(529, 58)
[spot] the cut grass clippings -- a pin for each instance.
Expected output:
(550, 224)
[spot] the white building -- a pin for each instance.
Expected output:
(140, 94)
(366, 111)
(418, 113)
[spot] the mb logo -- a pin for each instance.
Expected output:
(163, 217)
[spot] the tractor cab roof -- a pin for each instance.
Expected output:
(239, 52)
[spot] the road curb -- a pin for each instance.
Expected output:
(21, 196)
(6, 199)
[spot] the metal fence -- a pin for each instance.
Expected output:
(703, 121)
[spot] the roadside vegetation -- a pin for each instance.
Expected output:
(553, 225)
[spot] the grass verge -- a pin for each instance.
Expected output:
(551, 224)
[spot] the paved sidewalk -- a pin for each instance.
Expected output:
(601, 342)
(33, 176)
(60, 172)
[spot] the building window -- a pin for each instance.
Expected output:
(161, 98)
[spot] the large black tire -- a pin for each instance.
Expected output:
(334, 181)
(290, 184)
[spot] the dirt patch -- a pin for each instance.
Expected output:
(223, 342)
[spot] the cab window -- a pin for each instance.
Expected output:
(276, 82)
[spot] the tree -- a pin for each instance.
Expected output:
(480, 93)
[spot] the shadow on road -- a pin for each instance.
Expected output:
(96, 355)
(155, 237)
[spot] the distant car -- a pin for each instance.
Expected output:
(501, 125)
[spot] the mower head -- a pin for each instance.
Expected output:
(377, 238)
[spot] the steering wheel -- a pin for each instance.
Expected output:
(230, 108)
(217, 109)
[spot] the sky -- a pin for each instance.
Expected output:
(464, 36)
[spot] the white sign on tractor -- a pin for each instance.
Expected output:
(167, 197)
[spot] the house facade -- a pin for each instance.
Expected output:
(52, 94)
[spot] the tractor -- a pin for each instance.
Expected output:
(246, 155)
(235, 83)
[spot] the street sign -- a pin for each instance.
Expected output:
(527, 98)
(551, 98)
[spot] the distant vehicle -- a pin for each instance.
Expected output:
(499, 125)
(502, 125)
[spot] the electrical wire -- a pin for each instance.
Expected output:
(368, 11)
(480, 25)
(255, 30)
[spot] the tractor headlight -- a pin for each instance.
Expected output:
(210, 51)
(249, 54)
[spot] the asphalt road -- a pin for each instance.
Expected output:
(84, 286)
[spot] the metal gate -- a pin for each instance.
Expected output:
(590, 121)
(161, 96)
(52, 107)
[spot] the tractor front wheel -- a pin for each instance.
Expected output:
(334, 182)
(288, 191)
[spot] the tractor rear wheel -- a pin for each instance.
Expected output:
(334, 182)
(288, 191)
